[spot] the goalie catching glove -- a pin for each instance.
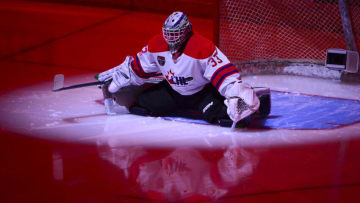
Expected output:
(241, 101)
(121, 76)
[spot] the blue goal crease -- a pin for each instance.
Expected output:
(297, 111)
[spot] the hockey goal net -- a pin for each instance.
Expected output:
(254, 32)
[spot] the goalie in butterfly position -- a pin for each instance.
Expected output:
(197, 74)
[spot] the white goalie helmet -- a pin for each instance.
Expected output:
(176, 30)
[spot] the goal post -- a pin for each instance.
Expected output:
(266, 35)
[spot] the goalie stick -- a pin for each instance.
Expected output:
(59, 83)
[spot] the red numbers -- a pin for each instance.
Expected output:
(215, 60)
(218, 59)
(143, 50)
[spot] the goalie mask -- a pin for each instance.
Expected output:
(176, 30)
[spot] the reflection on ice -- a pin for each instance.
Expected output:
(182, 173)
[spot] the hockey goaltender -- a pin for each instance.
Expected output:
(198, 77)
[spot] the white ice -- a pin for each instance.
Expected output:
(77, 116)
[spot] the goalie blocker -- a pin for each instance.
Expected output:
(159, 102)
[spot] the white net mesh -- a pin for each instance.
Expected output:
(262, 31)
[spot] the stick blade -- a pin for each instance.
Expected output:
(58, 82)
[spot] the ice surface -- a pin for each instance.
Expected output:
(77, 115)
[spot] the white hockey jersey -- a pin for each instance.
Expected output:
(201, 63)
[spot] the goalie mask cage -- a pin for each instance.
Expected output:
(268, 35)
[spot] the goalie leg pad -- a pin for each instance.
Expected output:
(139, 111)
(264, 96)
(212, 108)
(158, 100)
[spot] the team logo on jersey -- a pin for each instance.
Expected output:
(161, 60)
(177, 80)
